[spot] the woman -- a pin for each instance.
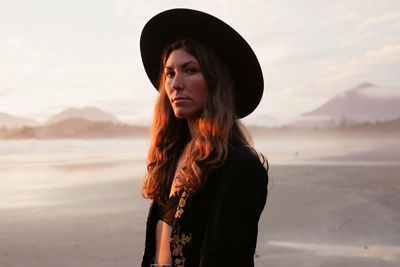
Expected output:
(207, 184)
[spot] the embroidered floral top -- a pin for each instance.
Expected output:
(169, 213)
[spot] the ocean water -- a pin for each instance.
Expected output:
(28, 166)
(22, 153)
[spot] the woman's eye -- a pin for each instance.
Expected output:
(170, 74)
(192, 70)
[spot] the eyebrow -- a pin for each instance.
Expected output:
(184, 64)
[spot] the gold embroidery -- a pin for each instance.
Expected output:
(182, 203)
(178, 242)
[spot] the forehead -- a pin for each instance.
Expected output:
(180, 56)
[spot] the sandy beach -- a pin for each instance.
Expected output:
(331, 216)
(339, 211)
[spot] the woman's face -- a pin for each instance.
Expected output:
(185, 84)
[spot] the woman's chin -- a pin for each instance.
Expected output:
(181, 114)
(187, 114)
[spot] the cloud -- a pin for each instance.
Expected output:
(373, 61)
(335, 75)
(6, 90)
(386, 54)
(382, 92)
(373, 20)
(14, 42)
(131, 8)
(273, 53)
(16, 46)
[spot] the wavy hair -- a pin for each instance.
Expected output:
(170, 136)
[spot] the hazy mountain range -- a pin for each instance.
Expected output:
(75, 128)
(366, 102)
(86, 129)
(87, 122)
(9, 121)
(87, 113)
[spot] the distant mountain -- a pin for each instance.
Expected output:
(10, 121)
(88, 113)
(363, 103)
(76, 128)
(84, 129)
(378, 129)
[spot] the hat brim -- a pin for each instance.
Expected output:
(175, 24)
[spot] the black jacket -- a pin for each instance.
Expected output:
(217, 227)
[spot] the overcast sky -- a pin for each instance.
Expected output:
(57, 54)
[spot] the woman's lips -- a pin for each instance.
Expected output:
(179, 99)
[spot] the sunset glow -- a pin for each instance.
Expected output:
(60, 54)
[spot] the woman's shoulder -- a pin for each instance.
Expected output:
(242, 161)
(240, 153)
(243, 171)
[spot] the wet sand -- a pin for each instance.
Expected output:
(331, 216)
(316, 215)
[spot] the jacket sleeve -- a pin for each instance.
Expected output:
(231, 233)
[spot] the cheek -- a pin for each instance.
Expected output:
(167, 92)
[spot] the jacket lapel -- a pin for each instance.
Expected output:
(182, 205)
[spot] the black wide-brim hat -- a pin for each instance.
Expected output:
(174, 24)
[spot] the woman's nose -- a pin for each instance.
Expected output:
(177, 82)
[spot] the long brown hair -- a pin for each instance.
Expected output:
(170, 136)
